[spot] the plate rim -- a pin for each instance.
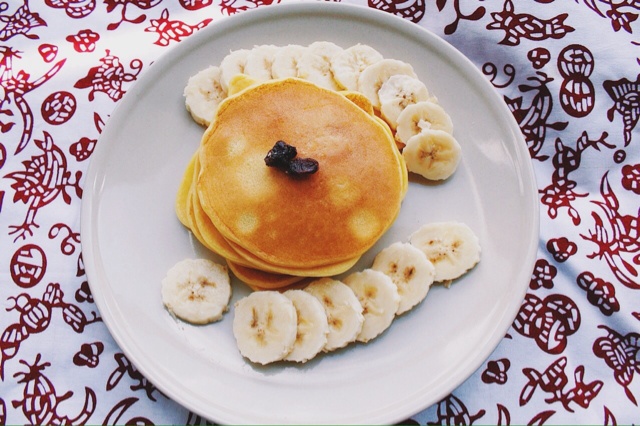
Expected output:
(91, 253)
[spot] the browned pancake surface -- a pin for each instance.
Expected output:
(325, 218)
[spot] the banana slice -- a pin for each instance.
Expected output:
(397, 93)
(423, 115)
(379, 298)
(343, 310)
(231, 65)
(197, 290)
(410, 271)
(316, 69)
(433, 154)
(203, 93)
(326, 49)
(265, 326)
(374, 76)
(259, 62)
(349, 63)
(285, 61)
(313, 326)
(452, 247)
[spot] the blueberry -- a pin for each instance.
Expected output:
(280, 155)
(302, 166)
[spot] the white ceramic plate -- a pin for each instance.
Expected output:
(131, 237)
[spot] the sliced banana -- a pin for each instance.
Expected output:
(259, 62)
(452, 247)
(410, 271)
(343, 310)
(326, 49)
(379, 298)
(265, 326)
(374, 76)
(313, 326)
(349, 63)
(231, 65)
(285, 61)
(197, 290)
(423, 115)
(316, 69)
(397, 93)
(203, 93)
(433, 154)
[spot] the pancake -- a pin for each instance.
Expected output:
(329, 218)
(360, 100)
(198, 222)
(184, 192)
(194, 218)
(318, 271)
(207, 233)
(260, 279)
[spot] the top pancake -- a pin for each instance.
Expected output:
(325, 218)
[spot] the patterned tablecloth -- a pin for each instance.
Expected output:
(568, 70)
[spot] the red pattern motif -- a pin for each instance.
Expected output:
(35, 317)
(141, 4)
(617, 237)
(84, 40)
(44, 178)
(172, 30)
(522, 25)
(533, 118)
(125, 368)
(539, 57)
(554, 381)
(631, 178)
(621, 354)
(496, 371)
(560, 193)
(28, 265)
(626, 97)
(21, 22)
(48, 52)
(195, 4)
(89, 355)
(600, 293)
(621, 13)
(410, 10)
(561, 249)
(40, 401)
(549, 321)
(15, 87)
(58, 108)
(75, 9)
(543, 275)
(115, 415)
(451, 28)
(231, 7)
(109, 77)
(82, 149)
(577, 94)
(452, 411)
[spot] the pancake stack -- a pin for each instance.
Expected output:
(276, 229)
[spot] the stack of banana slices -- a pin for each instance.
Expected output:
(328, 314)
(422, 128)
